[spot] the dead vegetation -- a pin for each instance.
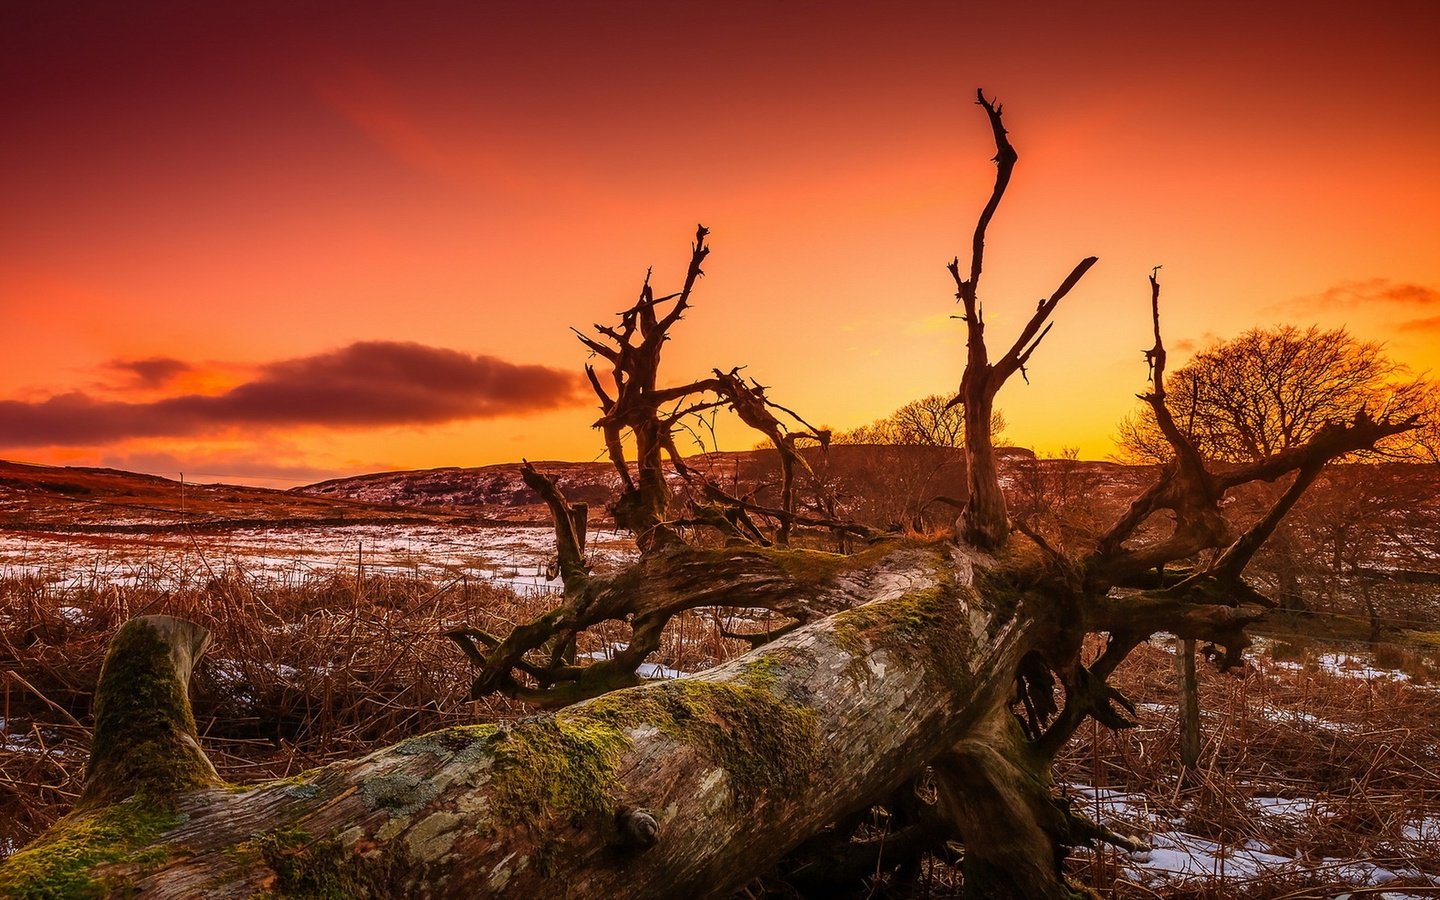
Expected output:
(1307, 754)
(301, 672)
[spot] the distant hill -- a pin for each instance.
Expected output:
(498, 492)
(72, 498)
(497, 489)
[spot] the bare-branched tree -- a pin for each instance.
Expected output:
(905, 469)
(959, 658)
(931, 421)
(636, 406)
(984, 523)
(1271, 389)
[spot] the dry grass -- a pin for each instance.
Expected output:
(301, 671)
(1344, 761)
(318, 667)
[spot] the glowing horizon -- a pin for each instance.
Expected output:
(277, 245)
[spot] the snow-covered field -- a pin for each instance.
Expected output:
(514, 556)
(1348, 665)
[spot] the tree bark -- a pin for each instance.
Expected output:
(1189, 702)
(996, 789)
(678, 788)
(985, 521)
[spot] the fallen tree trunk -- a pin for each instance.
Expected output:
(900, 657)
(678, 788)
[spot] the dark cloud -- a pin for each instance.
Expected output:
(1430, 324)
(157, 371)
(1190, 345)
(1350, 294)
(369, 384)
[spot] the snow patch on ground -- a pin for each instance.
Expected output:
(1177, 856)
(1426, 829)
(23, 741)
(645, 670)
(1285, 807)
(1345, 665)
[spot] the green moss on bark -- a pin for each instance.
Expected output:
(804, 567)
(90, 854)
(541, 771)
(309, 869)
(462, 741)
(929, 626)
(144, 754)
(144, 728)
(763, 741)
(555, 769)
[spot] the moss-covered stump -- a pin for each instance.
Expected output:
(144, 757)
(145, 740)
(678, 788)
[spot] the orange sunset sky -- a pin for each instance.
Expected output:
(275, 242)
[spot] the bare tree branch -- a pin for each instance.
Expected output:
(984, 522)
(1016, 357)
(570, 527)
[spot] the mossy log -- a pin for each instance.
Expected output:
(681, 788)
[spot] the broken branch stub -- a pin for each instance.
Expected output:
(145, 737)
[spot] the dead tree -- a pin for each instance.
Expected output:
(535, 662)
(961, 658)
(984, 522)
(636, 404)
